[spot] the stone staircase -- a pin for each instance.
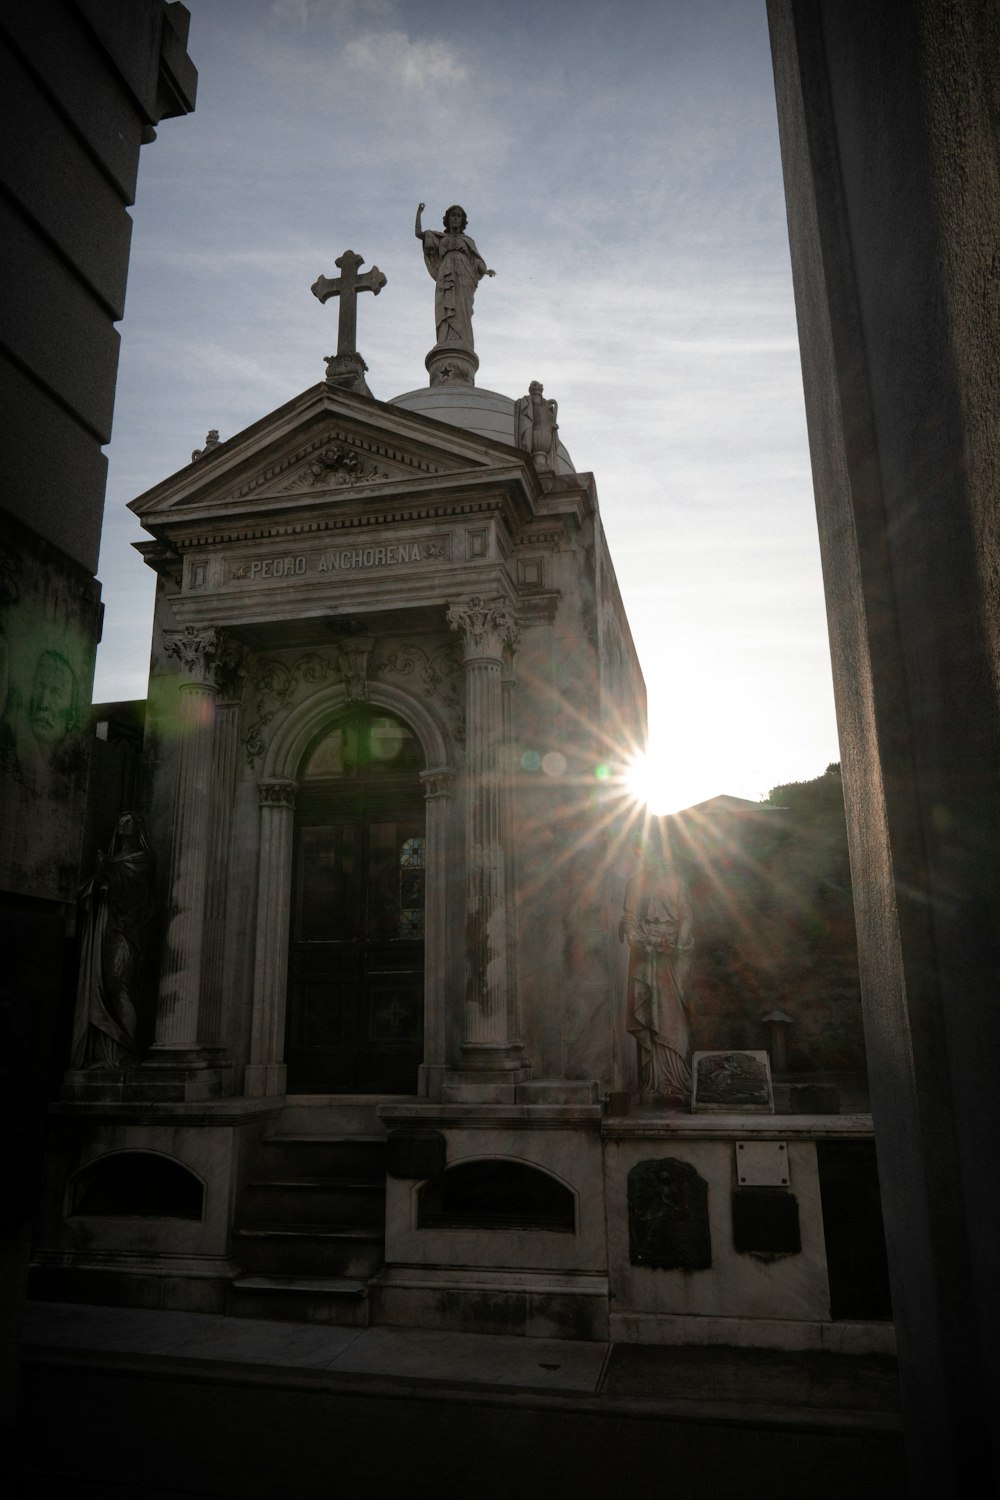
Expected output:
(311, 1230)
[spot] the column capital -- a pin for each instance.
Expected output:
(439, 782)
(197, 649)
(487, 627)
(275, 793)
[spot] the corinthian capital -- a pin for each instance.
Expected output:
(486, 626)
(197, 648)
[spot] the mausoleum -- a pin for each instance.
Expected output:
(352, 1038)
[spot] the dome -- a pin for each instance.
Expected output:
(485, 412)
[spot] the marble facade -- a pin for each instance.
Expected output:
(404, 568)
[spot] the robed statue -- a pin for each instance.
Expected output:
(656, 922)
(537, 429)
(117, 907)
(457, 267)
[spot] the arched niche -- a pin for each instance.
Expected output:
(496, 1192)
(137, 1184)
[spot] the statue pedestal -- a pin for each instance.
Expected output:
(176, 1076)
(452, 364)
(347, 373)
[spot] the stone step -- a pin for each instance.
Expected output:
(316, 1200)
(332, 1115)
(292, 1155)
(309, 1250)
(336, 1300)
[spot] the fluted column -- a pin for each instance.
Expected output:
(177, 1014)
(265, 1073)
(231, 671)
(439, 784)
(489, 1040)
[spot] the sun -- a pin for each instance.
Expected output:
(669, 783)
(651, 783)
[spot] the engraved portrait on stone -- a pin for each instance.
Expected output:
(117, 904)
(657, 924)
(454, 262)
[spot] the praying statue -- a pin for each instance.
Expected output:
(457, 267)
(657, 924)
(117, 905)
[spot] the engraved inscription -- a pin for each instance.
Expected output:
(289, 567)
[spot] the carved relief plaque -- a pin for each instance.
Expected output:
(668, 1216)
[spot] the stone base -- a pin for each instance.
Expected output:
(179, 1283)
(264, 1080)
(452, 364)
(483, 1085)
(678, 1329)
(178, 1076)
(346, 372)
(529, 1304)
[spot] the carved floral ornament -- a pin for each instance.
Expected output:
(275, 684)
(487, 627)
(337, 466)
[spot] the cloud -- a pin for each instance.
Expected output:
(396, 60)
(303, 12)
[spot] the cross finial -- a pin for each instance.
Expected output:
(346, 287)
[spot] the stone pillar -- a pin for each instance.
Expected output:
(439, 785)
(508, 768)
(890, 144)
(230, 675)
(177, 1012)
(489, 1041)
(265, 1073)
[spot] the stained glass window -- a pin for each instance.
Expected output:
(411, 888)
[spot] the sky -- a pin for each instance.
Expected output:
(619, 166)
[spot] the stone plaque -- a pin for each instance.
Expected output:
(668, 1216)
(766, 1221)
(415, 1153)
(732, 1081)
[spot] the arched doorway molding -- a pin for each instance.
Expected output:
(292, 738)
(265, 1073)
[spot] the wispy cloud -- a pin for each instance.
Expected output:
(397, 61)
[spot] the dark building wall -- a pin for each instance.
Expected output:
(82, 86)
(889, 117)
(82, 83)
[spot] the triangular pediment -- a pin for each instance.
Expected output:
(327, 445)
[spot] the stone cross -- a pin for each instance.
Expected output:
(346, 286)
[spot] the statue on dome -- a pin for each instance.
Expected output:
(657, 923)
(537, 429)
(457, 267)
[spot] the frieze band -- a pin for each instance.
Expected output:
(293, 566)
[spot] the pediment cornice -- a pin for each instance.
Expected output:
(330, 445)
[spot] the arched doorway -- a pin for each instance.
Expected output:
(356, 944)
